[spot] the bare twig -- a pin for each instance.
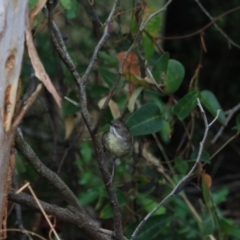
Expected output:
(63, 214)
(230, 114)
(63, 53)
(230, 41)
(43, 211)
(201, 29)
(100, 43)
(71, 101)
(18, 209)
(173, 192)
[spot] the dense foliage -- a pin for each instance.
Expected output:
(179, 57)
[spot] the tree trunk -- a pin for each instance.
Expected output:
(13, 15)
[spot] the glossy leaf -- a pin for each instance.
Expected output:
(210, 102)
(148, 46)
(145, 120)
(184, 106)
(175, 75)
(160, 68)
(152, 28)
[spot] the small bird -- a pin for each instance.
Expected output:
(118, 139)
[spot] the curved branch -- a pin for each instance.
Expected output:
(63, 214)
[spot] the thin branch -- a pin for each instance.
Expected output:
(230, 41)
(230, 114)
(61, 49)
(27, 152)
(60, 46)
(18, 209)
(100, 43)
(71, 101)
(120, 70)
(173, 192)
(201, 29)
(63, 214)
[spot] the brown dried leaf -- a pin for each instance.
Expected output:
(131, 63)
(38, 67)
(36, 9)
(69, 122)
(208, 180)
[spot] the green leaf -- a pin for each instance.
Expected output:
(225, 225)
(145, 120)
(97, 91)
(159, 70)
(121, 198)
(86, 152)
(220, 196)
(152, 229)
(108, 61)
(66, 4)
(238, 119)
(181, 165)
(210, 102)
(148, 204)
(165, 131)
(32, 3)
(137, 80)
(106, 212)
(175, 75)
(152, 28)
(88, 197)
(184, 106)
(237, 127)
(133, 99)
(204, 157)
(148, 46)
(70, 8)
(207, 226)
(109, 78)
(19, 164)
(68, 107)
